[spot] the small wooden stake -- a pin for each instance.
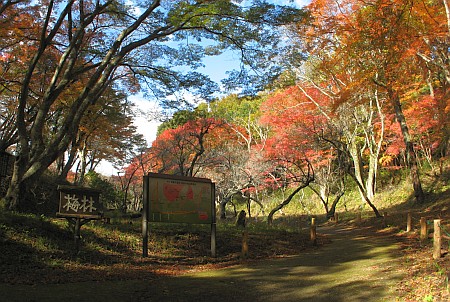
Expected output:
(408, 222)
(313, 231)
(384, 223)
(437, 239)
(423, 230)
(336, 217)
(244, 252)
(358, 218)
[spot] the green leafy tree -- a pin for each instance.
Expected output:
(106, 133)
(109, 197)
(181, 117)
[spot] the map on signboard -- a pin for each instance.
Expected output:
(174, 192)
(175, 200)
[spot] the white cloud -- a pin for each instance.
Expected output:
(146, 122)
(297, 3)
(301, 3)
(146, 119)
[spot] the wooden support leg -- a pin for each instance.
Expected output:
(77, 234)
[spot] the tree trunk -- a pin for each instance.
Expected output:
(285, 202)
(409, 147)
(222, 209)
(371, 176)
(332, 210)
(322, 196)
(357, 167)
(14, 196)
(82, 156)
(68, 164)
(358, 178)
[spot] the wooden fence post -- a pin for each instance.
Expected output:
(313, 231)
(384, 223)
(244, 253)
(408, 222)
(336, 217)
(423, 230)
(358, 218)
(437, 239)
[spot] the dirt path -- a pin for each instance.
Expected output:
(354, 267)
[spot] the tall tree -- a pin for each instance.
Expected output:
(291, 165)
(180, 151)
(243, 169)
(434, 30)
(304, 117)
(107, 133)
(98, 43)
(380, 41)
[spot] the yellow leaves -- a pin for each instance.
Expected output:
(386, 160)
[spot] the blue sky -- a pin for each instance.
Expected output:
(215, 67)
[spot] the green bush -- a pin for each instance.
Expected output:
(109, 197)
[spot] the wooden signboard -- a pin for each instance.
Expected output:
(178, 199)
(79, 205)
(79, 202)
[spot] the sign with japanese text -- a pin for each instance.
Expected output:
(79, 202)
(180, 199)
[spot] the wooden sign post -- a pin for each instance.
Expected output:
(79, 205)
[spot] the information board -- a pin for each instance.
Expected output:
(176, 199)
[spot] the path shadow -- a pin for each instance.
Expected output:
(353, 267)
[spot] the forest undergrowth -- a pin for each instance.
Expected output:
(37, 249)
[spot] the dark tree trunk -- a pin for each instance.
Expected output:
(68, 165)
(332, 210)
(366, 198)
(410, 154)
(222, 207)
(284, 203)
(16, 187)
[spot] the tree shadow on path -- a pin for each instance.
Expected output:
(354, 267)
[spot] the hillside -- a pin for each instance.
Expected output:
(38, 249)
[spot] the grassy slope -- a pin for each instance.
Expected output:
(37, 249)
